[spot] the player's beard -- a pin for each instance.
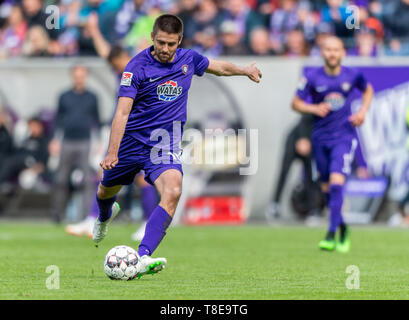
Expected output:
(334, 65)
(164, 59)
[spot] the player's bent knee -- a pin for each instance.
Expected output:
(107, 192)
(172, 193)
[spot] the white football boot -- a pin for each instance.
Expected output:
(101, 228)
(149, 265)
(140, 233)
(83, 228)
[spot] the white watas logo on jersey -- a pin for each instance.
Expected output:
(335, 99)
(169, 90)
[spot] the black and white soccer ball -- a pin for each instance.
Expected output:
(120, 263)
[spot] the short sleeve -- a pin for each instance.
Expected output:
(361, 82)
(201, 63)
(304, 88)
(129, 83)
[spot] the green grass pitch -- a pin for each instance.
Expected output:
(246, 262)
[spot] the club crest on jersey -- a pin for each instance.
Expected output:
(126, 79)
(185, 68)
(169, 90)
(336, 100)
(346, 86)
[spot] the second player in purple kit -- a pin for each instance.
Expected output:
(328, 91)
(147, 129)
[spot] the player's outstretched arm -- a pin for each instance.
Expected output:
(117, 131)
(225, 68)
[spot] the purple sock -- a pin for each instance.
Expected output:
(105, 207)
(149, 201)
(335, 206)
(155, 230)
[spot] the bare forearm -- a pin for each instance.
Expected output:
(101, 45)
(230, 69)
(119, 123)
(302, 107)
(367, 98)
(117, 132)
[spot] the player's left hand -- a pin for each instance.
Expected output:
(253, 73)
(357, 119)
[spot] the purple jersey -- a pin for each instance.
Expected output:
(317, 86)
(160, 92)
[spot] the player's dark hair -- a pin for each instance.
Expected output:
(168, 23)
(115, 52)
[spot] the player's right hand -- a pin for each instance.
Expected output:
(109, 162)
(322, 109)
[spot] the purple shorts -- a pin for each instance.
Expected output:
(133, 157)
(334, 157)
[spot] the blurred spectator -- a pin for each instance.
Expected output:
(260, 42)
(365, 40)
(232, 43)
(128, 14)
(207, 15)
(35, 16)
(238, 11)
(335, 12)
(307, 19)
(397, 27)
(295, 44)
(12, 38)
(396, 47)
(397, 22)
(208, 43)
(208, 26)
(186, 10)
(31, 155)
(283, 20)
(76, 116)
(37, 42)
(139, 37)
(297, 146)
(85, 42)
(6, 140)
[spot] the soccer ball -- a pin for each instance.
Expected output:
(120, 263)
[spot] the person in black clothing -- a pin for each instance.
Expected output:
(77, 115)
(297, 146)
(6, 141)
(32, 154)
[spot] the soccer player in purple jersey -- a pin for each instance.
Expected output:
(333, 138)
(152, 98)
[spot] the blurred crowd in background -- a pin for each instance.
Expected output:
(212, 27)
